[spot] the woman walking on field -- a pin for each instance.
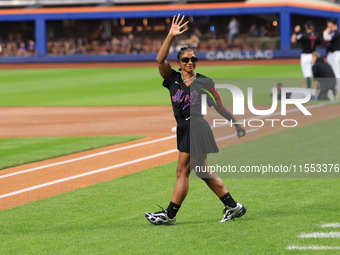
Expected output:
(194, 135)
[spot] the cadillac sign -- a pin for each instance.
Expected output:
(231, 55)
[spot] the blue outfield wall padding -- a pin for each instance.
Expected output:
(313, 12)
(40, 32)
(285, 32)
(210, 55)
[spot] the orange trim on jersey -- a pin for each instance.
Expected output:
(166, 7)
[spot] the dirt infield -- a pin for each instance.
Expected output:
(22, 184)
(85, 121)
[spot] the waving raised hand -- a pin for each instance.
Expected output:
(177, 26)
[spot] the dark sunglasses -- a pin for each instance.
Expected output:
(186, 59)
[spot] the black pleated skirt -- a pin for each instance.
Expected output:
(195, 136)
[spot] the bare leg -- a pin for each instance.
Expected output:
(186, 162)
(213, 181)
(182, 182)
(168, 216)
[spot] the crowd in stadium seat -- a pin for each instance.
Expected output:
(128, 44)
(143, 44)
(139, 44)
(15, 45)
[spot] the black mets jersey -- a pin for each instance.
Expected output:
(334, 43)
(186, 100)
(308, 41)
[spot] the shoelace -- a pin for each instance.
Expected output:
(161, 208)
(225, 209)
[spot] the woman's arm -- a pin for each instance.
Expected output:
(229, 116)
(163, 65)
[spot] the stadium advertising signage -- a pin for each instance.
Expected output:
(230, 55)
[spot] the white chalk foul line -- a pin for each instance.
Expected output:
(87, 173)
(320, 235)
(88, 156)
(231, 136)
(107, 168)
(331, 225)
(313, 247)
(129, 147)
(101, 170)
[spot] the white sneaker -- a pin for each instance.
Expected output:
(337, 97)
(231, 213)
(330, 95)
(160, 218)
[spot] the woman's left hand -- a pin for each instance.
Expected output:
(240, 131)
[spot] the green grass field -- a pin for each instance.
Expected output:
(114, 86)
(108, 218)
(17, 151)
(310, 147)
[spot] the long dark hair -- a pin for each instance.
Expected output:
(181, 52)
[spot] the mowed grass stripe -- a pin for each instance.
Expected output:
(18, 151)
(111, 86)
(108, 218)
